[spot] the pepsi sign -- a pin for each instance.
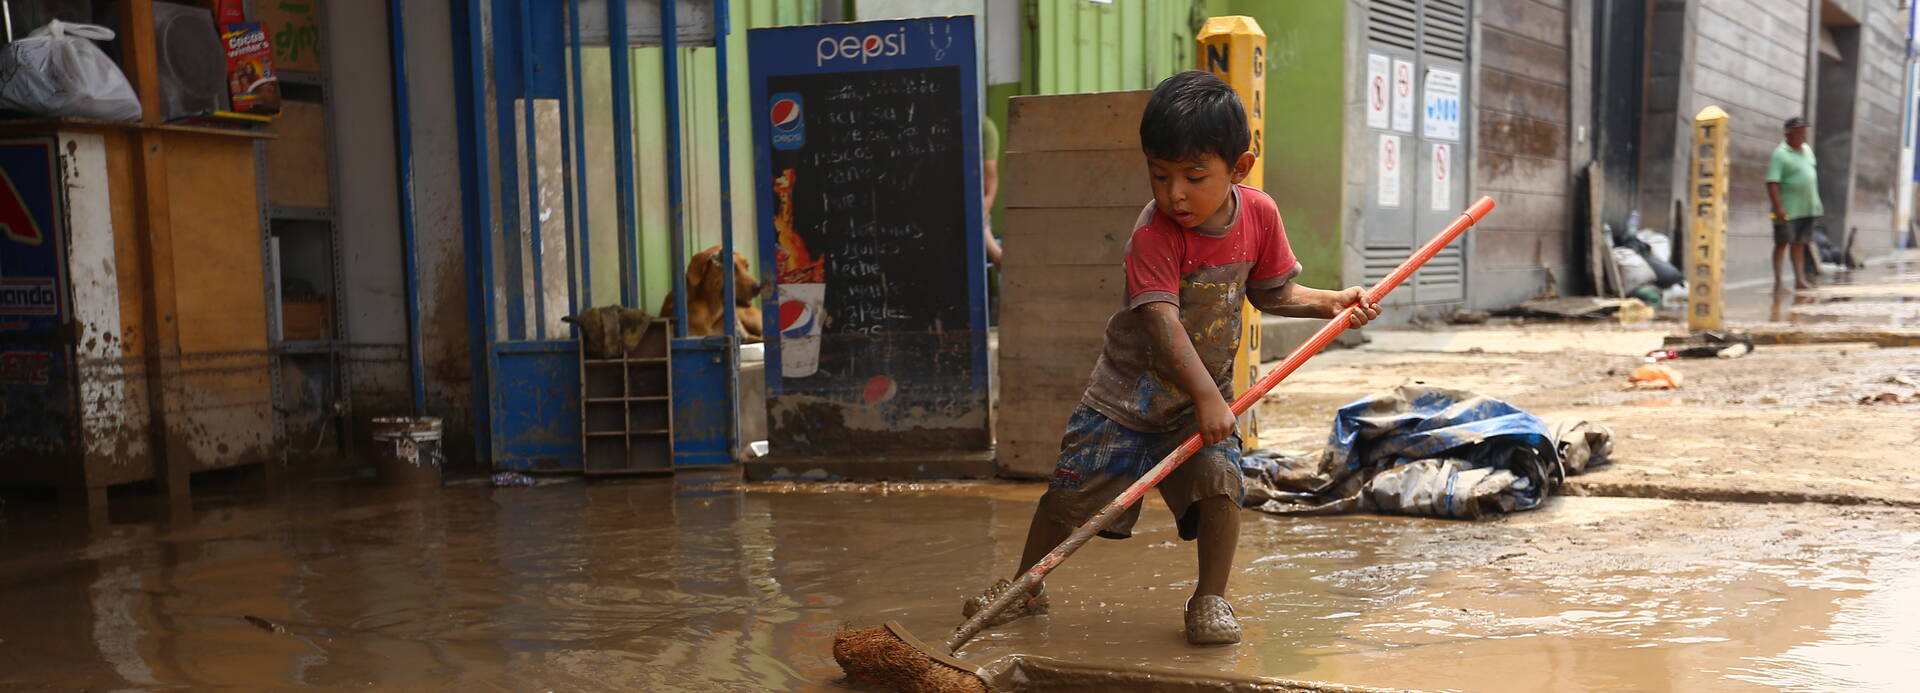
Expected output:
(789, 121)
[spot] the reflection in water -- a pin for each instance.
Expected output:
(1851, 652)
(1782, 305)
(115, 631)
(695, 584)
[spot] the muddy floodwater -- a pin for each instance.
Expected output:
(704, 585)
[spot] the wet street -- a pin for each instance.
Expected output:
(699, 584)
(1758, 529)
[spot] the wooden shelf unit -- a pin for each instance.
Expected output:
(626, 408)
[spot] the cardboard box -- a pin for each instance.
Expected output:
(305, 319)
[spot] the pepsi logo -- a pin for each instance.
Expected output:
(881, 389)
(786, 114)
(797, 318)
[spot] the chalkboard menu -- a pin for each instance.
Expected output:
(867, 141)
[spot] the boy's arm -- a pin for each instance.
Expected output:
(1295, 301)
(1176, 360)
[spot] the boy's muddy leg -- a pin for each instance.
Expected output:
(1219, 536)
(1042, 536)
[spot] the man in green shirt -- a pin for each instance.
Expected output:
(1793, 185)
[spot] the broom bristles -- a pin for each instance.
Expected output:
(875, 655)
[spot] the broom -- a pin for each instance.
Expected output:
(890, 656)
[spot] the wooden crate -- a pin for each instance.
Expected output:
(303, 319)
(1074, 182)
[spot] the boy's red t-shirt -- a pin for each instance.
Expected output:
(1207, 273)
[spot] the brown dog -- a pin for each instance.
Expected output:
(706, 298)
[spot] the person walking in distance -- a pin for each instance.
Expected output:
(1793, 186)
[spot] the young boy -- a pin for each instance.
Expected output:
(1166, 369)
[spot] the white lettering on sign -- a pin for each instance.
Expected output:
(1377, 66)
(1440, 117)
(1442, 182)
(1389, 168)
(850, 47)
(1402, 95)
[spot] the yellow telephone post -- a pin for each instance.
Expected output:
(1235, 49)
(1707, 233)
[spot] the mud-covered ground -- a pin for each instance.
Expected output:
(1759, 529)
(1782, 423)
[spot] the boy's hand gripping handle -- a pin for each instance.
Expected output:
(1260, 388)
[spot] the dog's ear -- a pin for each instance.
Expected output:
(697, 273)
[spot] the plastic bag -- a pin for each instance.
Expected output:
(1658, 244)
(57, 71)
(1634, 270)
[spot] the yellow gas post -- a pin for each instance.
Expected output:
(1707, 234)
(1235, 49)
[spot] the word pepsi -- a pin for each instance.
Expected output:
(850, 47)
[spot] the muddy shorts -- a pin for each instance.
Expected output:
(1100, 458)
(1794, 230)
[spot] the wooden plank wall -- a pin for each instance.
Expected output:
(1522, 146)
(1073, 185)
(219, 388)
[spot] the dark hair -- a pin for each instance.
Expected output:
(1193, 114)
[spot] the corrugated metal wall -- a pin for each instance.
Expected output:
(1082, 46)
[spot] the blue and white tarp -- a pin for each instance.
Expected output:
(1425, 450)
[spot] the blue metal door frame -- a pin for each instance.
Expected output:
(525, 387)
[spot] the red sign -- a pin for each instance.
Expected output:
(15, 221)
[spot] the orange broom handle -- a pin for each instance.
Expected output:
(1339, 323)
(1260, 388)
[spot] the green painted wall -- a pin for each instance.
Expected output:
(1084, 46)
(1306, 96)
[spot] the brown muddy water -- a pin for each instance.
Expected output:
(692, 585)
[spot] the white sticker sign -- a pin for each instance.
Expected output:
(1388, 163)
(1402, 95)
(1377, 67)
(1440, 117)
(1442, 174)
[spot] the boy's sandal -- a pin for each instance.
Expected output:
(1210, 621)
(1020, 608)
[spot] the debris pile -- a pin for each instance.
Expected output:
(1425, 450)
